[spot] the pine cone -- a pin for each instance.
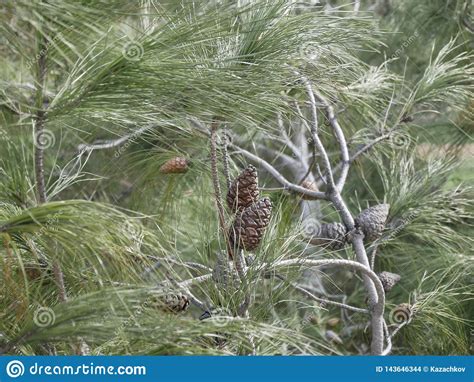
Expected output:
(250, 224)
(332, 235)
(388, 280)
(176, 165)
(372, 221)
(174, 302)
(222, 273)
(312, 186)
(244, 190)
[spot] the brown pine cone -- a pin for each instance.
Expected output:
(173, 302)
(250, 224)
(244, 190)
(312, 186)
(372, 221)
(388, 280)
(176, 165)
(332, 235)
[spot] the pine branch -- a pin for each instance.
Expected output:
(39, 120)
(339, 135)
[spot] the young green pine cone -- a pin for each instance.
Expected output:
(332, 235)
(372, 221)
(388, 280)
(250, 224)
(177, 165)
(244, 190)
(222, 272)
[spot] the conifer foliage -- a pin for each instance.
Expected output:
(235, 177)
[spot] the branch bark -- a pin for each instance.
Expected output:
(39, 120)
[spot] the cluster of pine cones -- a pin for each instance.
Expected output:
(252, 213)
(371, 222)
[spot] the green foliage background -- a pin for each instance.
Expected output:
(119, 228)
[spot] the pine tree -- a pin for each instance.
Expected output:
(124, 127)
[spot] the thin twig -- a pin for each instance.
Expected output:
(109, 144)
(288, 142)
(313, 150)
(59, 278)
(322, 300)
(39, 121)
(215, 179)
(340, 138)
(318, 145)
(226, 159)
(361, 151)
(356, 7)
(279, 177)
(194, 280)
(373, 254)
(341, 263)
(388, 338)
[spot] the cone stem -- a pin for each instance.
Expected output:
(217, 187)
